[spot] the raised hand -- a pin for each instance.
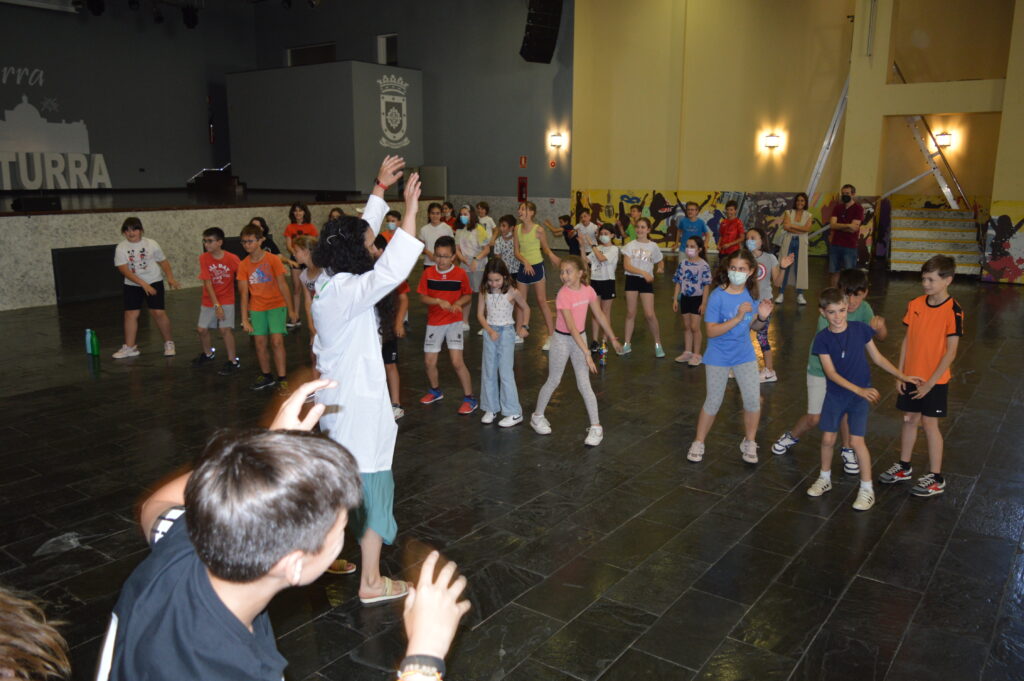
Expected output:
(787, 260)
(288, 417)
(433, 609)
(390, 170)
(764, 308)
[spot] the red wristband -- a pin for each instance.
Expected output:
(381, 184)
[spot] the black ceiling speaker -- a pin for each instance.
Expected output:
(541, 35)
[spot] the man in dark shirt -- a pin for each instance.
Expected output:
(845, 233)
(261, 511)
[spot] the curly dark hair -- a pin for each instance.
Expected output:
(342, 249)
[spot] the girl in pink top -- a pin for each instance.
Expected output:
(569, 343)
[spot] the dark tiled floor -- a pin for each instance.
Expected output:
(618, 562)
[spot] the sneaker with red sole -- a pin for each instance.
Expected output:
(433, 395)
(928, 486)
(469, 405)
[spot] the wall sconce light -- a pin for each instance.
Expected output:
(771, 141)
(944, 139)
(555, 140)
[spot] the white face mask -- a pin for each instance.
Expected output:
(738, 278)
(605, 239)
(391, 225)
(691, 252)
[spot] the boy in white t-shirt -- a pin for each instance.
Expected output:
(144, 267)
(586, 233)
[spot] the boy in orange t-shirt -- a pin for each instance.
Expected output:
(266, 305)
(934, 324)
(730, 231)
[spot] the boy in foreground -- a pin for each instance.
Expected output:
(261, 511)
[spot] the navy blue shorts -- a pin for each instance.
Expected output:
(853, 406)
(538, 274)
(841, 258)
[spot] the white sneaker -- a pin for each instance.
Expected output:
(487, 418)
(695, 360)
(800, 300)
(397, 411)
(540, 424)
(849, 457)
(546, 346)
(126, 351)
(865, 499)
(169, 350)
(784, 443)
(519, 339)
(778, 299)
(749, 449)
(465, 326)
(594, 436)
(510, 421)
(820, 486)
(696, 453)
(768, 376)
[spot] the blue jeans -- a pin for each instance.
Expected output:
(794, 248)
(498, 390)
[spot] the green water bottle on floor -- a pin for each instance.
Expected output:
(94, 346)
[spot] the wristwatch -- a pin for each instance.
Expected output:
(525, 326)
(420, 668)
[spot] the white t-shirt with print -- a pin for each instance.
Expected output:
(142, 258)
(604, 271)
(643, 256)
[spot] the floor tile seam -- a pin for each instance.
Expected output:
(542, 664)
(658, 657)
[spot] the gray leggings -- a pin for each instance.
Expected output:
(563, 349)
(747, 379)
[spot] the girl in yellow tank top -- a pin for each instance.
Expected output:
(531, 245)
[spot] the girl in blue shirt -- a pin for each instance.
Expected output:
(730, 315)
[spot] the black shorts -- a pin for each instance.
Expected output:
(639, 284)
(134, 295)
(690, 304)
(389, 350)
(933, 404)
(604, 289)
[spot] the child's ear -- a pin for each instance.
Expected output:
(289, 568)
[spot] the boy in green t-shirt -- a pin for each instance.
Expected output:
(854, 283)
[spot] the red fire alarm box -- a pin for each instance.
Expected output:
(521, 193)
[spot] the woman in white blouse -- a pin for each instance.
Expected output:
(796, 225)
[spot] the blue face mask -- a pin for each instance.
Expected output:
(753, 245)
(737, 278)
(464, 219)
(391, 225)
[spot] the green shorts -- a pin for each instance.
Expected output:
(269, 321)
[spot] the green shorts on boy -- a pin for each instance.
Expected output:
(934, 324)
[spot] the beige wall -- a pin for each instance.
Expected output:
(678, 93)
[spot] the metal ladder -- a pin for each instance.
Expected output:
(830, 139)
(922, 132)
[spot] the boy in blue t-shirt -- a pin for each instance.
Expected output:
(691, 225)
(840, 347)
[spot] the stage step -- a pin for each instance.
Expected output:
(919, 234)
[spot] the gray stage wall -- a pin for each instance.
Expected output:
(335, 138)
(139, 88)
(483, 105)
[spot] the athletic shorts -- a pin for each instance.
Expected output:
(854, 407)
(439, 335)
(134, 295)
(538, 274)
(208, 318)
(933, 404)
(267, 322)
(639, 284)
(389, 350)
(815, 393)
(605, 289)
(690, 304)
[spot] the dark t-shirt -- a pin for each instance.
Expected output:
(846, 350)
(845, 213)
(170, 624)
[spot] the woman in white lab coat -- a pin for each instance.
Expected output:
(358, 410)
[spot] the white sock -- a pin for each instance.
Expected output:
(866, 484)
(826, 475)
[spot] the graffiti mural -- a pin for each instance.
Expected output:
(1003, 260)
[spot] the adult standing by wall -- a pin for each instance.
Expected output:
(845, 233)
(796, 225)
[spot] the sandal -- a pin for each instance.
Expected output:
(341, 567)
(393, 589)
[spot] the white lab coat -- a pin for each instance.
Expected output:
(347, 346)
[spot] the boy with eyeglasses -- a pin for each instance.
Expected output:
(217, 270)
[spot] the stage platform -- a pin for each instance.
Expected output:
(623, 561)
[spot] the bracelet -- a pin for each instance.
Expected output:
(380, 184)
(525, 326)
(421, 666)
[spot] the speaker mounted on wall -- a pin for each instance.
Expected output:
(541, 34)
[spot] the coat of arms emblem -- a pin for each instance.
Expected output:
(393, 115)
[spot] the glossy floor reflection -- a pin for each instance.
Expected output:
(619, 562)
